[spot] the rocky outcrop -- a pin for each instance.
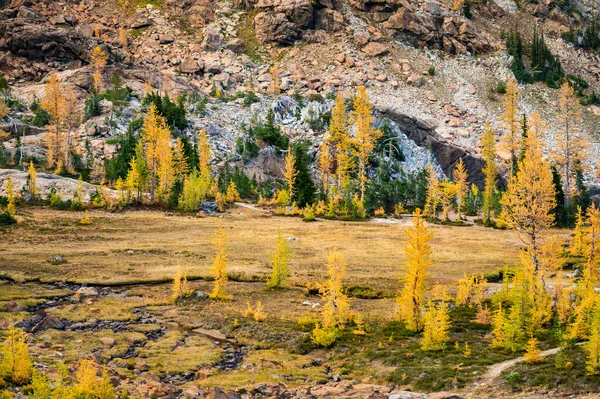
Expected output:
(446, 154)
(276, 28)
(431, 25)
(38, 40)
(64, 185)
(454, 34)
(283, 21)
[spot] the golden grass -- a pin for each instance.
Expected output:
(148, 245)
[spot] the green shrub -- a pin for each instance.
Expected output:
(6, 219)
(40, 116)
(431, 70)
(92, 106)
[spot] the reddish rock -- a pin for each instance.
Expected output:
(374, 49)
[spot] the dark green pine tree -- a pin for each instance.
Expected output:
(304, 187)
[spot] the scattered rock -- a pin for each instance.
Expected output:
(108, 341)
(213, 39)
(415, 80)
(14, 307)
(375, 49)
(49, 322)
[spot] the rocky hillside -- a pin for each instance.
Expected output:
(430, 70)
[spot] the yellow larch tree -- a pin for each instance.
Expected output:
(592, 347)
(436, 323)
(490, 170)
(280, 260)
(204, 155)
(418, 260)
(16, 365)
(232, 195)
(334, 312)
(585, 290)
(98, 60)
(104, 389)
(166, 170)
(366, 135)
(460, 177)
(181, 287)
(137, 178)
(219, 266)
(433, 193)
(11, 207)
(570, 145)
(289, 171)
(180, 162)
(341, 143)
(156, 138)
(32, 188)
(54, 104)
(532, 352)
(72, 119)
(512, 140)
(447, 192)
(530, 198)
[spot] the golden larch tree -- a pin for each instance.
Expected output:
(11, 207)
(436, 323)
(447, 193)
(232, 195)
(181, 287)
(530, 198)
(180, 162)
(54, 104)
(433, 193)
(219, 266)
(16, 364)
(32, 188)
(418, 261)
(98, 60)
(204, 155)
(366, 135)
(592, 347)
(335, 303)
(570, 145)
(289, 171)
(156, 138)
(72, 119)
(280, 260)
(512, 140)
(460, 177)
(340, 140)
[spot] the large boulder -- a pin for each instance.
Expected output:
(275, 28)
(213, 39)
(299, 12)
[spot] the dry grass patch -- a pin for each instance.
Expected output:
(147, 245)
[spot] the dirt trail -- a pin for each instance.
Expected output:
(494, 371)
